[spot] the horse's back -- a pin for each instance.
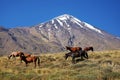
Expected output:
(27, 55)
(31, 58)
(14, 53)
(73, 49)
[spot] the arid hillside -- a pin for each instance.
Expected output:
(101, 65)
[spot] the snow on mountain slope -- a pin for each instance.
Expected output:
(75, 32)
(54, 35)
(93, 28)
(68, 20)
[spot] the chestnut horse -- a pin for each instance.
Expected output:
(73, 49)
(88, 48)
(30, 59)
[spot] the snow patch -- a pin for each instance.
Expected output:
(52, 21)
(77, 22)
(63, 17)
(93, 28)
(76, 19)
(56, 26)
(40, 26)
(59, 22)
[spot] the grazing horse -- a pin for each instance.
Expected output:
(73, 49)
(17, 54)
(30, 59)
(88, 48)
(76, 54)
(14, 54)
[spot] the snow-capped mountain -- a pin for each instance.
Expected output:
(55, 34)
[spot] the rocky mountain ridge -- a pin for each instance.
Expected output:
(54, 35)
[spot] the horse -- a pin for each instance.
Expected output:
(73, 49)
(17, 54)
(30, 59)
(88, 48)
(14, 54)
(81, 54)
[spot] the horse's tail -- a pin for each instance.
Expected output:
(38, 61)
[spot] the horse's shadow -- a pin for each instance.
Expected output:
(79, 60)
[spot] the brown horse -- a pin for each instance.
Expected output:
(73, 49)
(88, 48)
(30, 59)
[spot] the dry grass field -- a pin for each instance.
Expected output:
(101, 65)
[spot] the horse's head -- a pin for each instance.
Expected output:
(80, 48)
(91, 48)
(21, 55)
(9, 56)
(67, 47)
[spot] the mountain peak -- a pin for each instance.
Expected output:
(52, 36)
(64, 17)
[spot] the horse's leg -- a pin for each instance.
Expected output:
(35, 63)
(38, 61)
(73, 58)
(20, 60)
(26, 63)
(66, 56)
(82, 55)
(9, 56)
(13, 56)
(86, 55)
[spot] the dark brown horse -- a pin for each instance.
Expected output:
(73, 49)
(30, 59)
(88, 48)
(81, 54)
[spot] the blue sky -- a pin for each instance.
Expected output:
(103, 14)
